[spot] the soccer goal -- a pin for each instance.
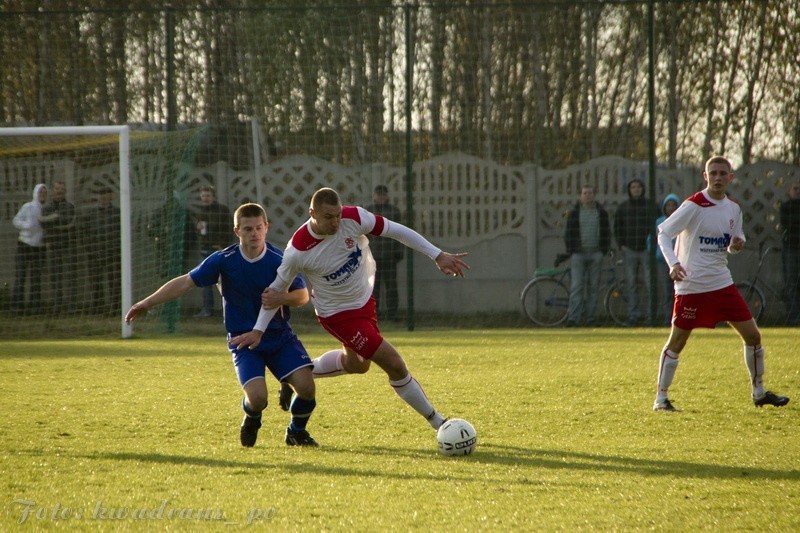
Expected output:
(114, 223)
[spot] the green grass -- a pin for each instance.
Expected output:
(567, 438)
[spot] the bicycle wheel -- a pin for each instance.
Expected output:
(545, 301)
(753, 297)
(616, 304)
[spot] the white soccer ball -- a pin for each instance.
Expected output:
(456, 437)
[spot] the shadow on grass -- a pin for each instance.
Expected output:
(571, 460)
(487, 453)
(292, 468)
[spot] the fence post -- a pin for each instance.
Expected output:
(409, 164)
(221, 182)
(531, 222)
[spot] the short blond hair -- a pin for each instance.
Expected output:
(325, 196)
(720, 160)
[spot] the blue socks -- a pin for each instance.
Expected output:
(301, 411)
(249, 411)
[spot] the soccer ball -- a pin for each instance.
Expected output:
(456, 437)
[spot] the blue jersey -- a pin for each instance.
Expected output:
(243, 280)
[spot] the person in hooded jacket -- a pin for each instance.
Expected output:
(633, 223)
(665, 284)
(31, 253)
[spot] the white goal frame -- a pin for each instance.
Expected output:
(123, 134)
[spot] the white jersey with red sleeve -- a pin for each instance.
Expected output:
(339, 267)
(704, 229)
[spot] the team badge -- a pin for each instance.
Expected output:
(730, 222)
(349, 243)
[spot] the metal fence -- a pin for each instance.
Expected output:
(482, 119)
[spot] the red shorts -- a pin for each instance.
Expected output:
(357, 329)
(707, 309)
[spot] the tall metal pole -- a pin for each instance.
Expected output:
(651, 105)
(172, 105)
(409, 167)
(126, 255)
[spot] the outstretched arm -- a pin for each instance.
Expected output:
(174, 288)
(449, 264)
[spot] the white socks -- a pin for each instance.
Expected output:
(410, 391)
(667, 365)
(329, 365)
(754, 359)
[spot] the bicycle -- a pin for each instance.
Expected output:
(545, 298)
(751, 290)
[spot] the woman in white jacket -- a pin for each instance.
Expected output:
(31, 252)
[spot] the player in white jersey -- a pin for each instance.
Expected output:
(708, 226)
(331, 249)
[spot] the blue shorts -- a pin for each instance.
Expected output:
(282, 354)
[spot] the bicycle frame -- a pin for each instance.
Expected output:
(545, 298)
(751, 290)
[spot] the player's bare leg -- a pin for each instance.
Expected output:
(253, 403)
(404, 383)
(354, 363)
(339, 362)
(754, 360)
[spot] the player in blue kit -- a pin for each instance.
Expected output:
(243, 271)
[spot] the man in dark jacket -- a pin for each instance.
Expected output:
(790, 222)
(58, 221)
(588, 239)
(387, 253)
(101, 230)
(634, 221)
(214, 232)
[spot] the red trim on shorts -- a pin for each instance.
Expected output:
(707, 309)
(357, 329)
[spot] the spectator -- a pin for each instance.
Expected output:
(58, 220)
(101, 231)
(172, 230)
(31, 253)
(633, 223)
(214, 225)
(790, 222)
(387, 253)
(588, 239)
(666, 287)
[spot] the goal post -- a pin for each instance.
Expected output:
(150, 173)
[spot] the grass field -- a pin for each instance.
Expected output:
(125, 435)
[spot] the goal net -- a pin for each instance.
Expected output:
(114, 225)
